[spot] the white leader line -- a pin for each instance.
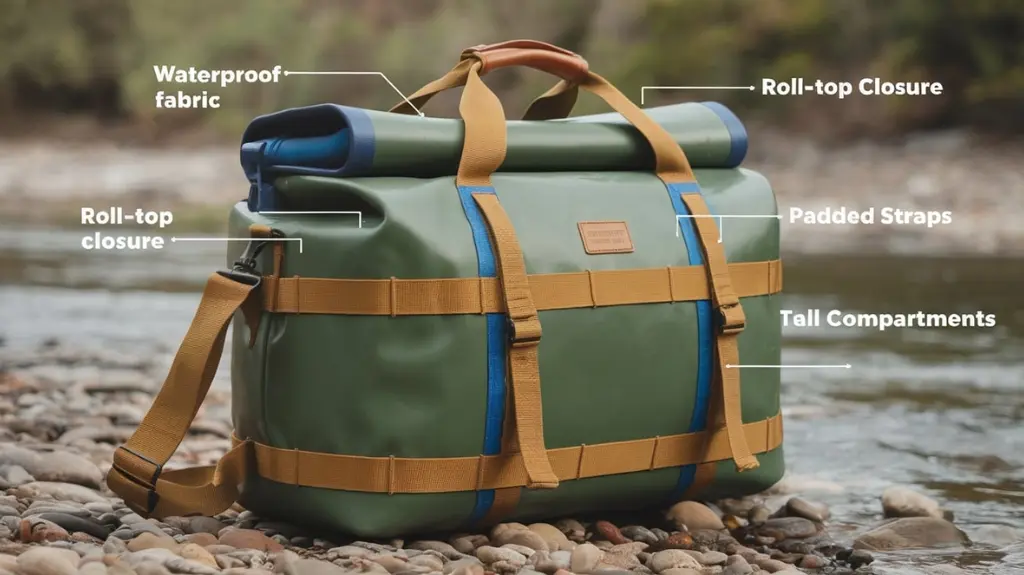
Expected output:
(381, 74)
(177, 239)
(843, 366)
(360, 214)
(643, 89)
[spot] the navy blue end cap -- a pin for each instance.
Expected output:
(322, 140)
(737, 133)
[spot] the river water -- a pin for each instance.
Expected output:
(938, 409)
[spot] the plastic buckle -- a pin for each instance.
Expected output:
(727, 326)
(152, 498)
(244, 269)
(517, 339)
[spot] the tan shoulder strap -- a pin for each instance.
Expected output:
(138, 474)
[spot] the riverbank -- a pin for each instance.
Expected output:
(64, 410)
(47, 182)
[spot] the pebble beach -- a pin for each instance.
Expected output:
(64, 411)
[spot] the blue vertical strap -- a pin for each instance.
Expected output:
(705, 327)
(496, 337)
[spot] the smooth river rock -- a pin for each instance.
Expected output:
(788, 528)
(672, 559)
(59, 466)
(552, 536)
(48, 561)
(692, 515)
(910, 533)
(899, 501)
(585, 558)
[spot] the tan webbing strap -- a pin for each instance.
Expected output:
(137, 474)
(557, 102)
(524, 340)
(705, 472)
(446, 475)
(731, 322)
(452, 79)
(671, 164)
(505, 500)
(600, 288)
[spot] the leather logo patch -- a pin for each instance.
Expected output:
(605, 237)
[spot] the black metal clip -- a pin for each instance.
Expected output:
(244, 268)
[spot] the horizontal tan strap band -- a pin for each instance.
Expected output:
(444, 475)
(483, 295)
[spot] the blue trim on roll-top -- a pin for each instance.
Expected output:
(323, 140)
(737, 133)
(496, 336)
(705, 353)
(362, 143)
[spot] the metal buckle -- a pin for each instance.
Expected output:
(516, 341)
(152, 498)
(726, 328)
(244, 269)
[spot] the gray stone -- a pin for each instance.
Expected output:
(859, 557)
(348, 551)
(75, 524)
(468, 563)
(692, 515)
(639, 533)
(60, 466)
(772, 565)
(672, 559)
(523, 537)
(439, 546)
(737, 565)
(585, 558)
(59, 491)
(99, 508)
(788, 528)
(682, 571)
(205, 525)
(909, 533)
(899, 501)
(573, 530)
(468, 543)
(521, 549)
(554, 537)
(14, 475)
(816, 512)
(714, 558)
(489, 554)
(115, 546)
(48, 561)
(312, 567)
(56, 508)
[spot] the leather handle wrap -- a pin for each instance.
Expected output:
(556, 103)
(523, 44)
(568, 67)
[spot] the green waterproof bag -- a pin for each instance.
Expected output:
(444, 324)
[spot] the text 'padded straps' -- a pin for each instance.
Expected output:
(730, 323)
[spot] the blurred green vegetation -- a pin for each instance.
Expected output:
(95, 58)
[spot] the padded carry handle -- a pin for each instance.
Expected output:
(531, 54)
(556, 103)
(485, 141)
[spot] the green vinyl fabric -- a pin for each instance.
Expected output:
(417, 386)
